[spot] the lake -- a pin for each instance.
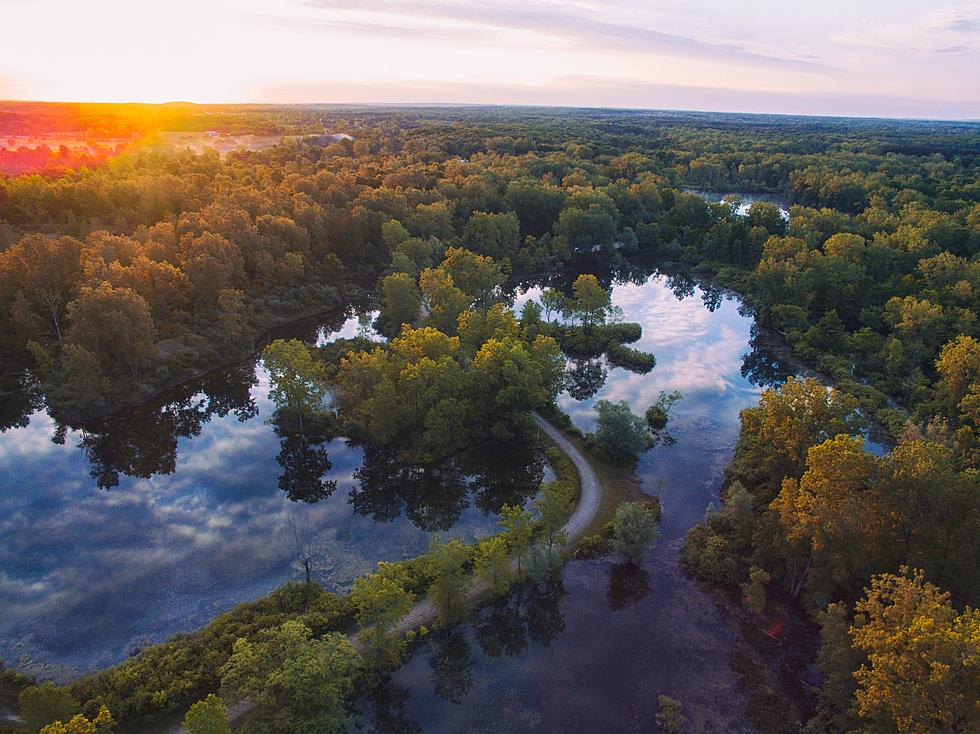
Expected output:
(155, 521)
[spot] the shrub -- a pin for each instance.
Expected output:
(634, 530)
(670, 718)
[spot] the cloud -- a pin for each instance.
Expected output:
(594, 91)
(948, 31)
(540, 18)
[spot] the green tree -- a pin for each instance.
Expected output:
(555, 506)
(477, 276)
(492, 564)
(754, 590)
(302, 683)
(45, 703)
(444, 301)
(509, 377)
(619, 431)
(634, 530)
(553, 301)
(296, 379)
(449, 581)
(590, 300)
(496, 235)
(518, 530)
(837, 659)
(79, 387)
(401, 303)
(207, 717)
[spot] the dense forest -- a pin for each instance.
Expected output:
(125, 278)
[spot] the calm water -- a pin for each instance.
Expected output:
(155, 522)
(594, 652)
(747, 200)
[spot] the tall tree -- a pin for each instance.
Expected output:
(115, 325)
(923, 667)
(301, 683)
(297, 380)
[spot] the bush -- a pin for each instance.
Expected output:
(670, 718)
(635, 530)
(620, 434)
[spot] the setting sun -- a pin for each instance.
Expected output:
(877, 58)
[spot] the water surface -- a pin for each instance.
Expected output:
(155, 521)
(592, 653)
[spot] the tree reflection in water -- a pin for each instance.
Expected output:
(20, 397)
(585, 377)
(761, 365)
(531, 613)
(142, 442)
(433, 497)
(387, 711)
(304, 463)
(451, 667)
(628, 584)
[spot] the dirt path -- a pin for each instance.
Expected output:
(425, 612)
(591, 490)
(590, 495)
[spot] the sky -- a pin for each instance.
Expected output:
(887, 58)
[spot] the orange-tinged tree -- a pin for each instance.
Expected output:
(777, 434)
(829, 515)
(922, 673)
(114, 324)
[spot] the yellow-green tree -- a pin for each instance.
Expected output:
(381, 600)
(922, 672)
(296, 379)
(492, 564)
(302, 684)
(207, 716)
(829, 517)
(79, 724)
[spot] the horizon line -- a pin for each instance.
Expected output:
(524, 105)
